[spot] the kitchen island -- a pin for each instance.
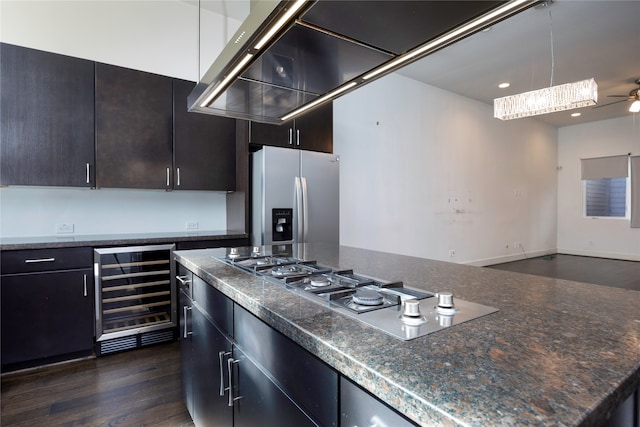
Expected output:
(556, 353)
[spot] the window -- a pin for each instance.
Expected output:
(606, 186)
(606, 197)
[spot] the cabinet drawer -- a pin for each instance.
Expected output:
(36, 260)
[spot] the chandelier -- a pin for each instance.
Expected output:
(547, 100)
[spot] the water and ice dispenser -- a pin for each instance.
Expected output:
(282, 225)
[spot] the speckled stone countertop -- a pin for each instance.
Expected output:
(69, 241)
(558, 353)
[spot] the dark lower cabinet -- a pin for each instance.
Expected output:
(46, 316)
(46, 118)
(46, 306)
(185, 307)
(265, 386)
(210, 351)
(260, 402)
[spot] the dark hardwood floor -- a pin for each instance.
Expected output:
(134, 388)
(601, 271)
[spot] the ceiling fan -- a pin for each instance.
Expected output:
(634, 95)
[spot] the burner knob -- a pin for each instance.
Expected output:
(445, 299)
(412, 308)
(233, 253)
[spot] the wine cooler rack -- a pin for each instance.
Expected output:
(135, 297)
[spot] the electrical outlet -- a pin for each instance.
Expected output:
(192, 225)
(64, 228)
(516, 244)
(452, 253)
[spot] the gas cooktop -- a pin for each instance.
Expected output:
(403, 312)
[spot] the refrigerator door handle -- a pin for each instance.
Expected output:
(299, 211)
(305, 210)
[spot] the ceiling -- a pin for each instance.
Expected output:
(591, 38)
(599, 39)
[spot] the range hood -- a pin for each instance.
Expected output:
(290, 56)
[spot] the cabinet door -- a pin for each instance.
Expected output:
(186, 354)
(314, 130)
(204, 146)
(275, 135)
(46, 315)
(134, 141)
(210, 407)
(259, 401)
(47, 123)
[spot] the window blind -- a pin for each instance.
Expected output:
(605, 167)
(635, 191)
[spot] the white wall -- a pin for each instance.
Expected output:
(153, 36)
(424, 171)
(157, 36)
(578, 235)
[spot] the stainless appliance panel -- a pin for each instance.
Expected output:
(322, 217)
(285, 178)
(274, 172)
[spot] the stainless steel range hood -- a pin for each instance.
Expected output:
(327, 48)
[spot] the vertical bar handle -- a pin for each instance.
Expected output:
(185, 333)
(298, 137)
(85, 285)
(168, 172)
(88, 174)
(230, 363)
(178, 176)
(221, 356)
(299, 213)
(305, 211)
(290, 136)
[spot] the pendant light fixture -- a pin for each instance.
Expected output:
(547, 100)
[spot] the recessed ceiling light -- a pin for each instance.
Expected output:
(576, 114)
(504, 85)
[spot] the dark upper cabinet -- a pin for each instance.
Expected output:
(134, 138)
(47, 122)
(204, 146)
(313, 131)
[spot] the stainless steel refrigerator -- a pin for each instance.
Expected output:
(295, 197)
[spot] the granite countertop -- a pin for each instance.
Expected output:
(557, 353)
(114, 239)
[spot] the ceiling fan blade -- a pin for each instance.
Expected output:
(611, 103)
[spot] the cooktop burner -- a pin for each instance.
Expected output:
(405, 313)
(373, 297)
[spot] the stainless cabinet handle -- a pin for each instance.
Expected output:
(183, 280)
(298, 137)
(88, 175)
(290, 136)
(85, 285)
(33, 261)
(221, 356)
(168, 172)
(230, 363)
(185, 334)
(178, 176)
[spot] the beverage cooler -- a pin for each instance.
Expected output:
(135, 297)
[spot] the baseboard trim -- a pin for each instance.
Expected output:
(509, 258)
(596, 254)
